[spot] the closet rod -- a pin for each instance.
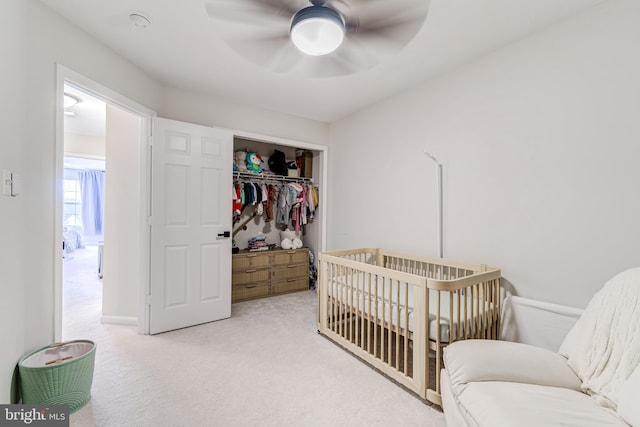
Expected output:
(249, 175)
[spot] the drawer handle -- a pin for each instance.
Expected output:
(250, 286)
(291, 266)
(291, 252)
(291, 280)
(252, 255)
(253, 270)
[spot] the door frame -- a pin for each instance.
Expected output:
(64, 76)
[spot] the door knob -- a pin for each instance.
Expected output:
(224, 235)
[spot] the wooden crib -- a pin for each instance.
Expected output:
(385, 307)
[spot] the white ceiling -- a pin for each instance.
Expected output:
(182, 48)
(87, 117)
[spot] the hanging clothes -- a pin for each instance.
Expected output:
(237, 203)
(291, 205)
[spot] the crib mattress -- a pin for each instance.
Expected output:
(398, 311)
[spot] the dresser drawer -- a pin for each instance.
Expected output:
(254, 260)
(289, 271)
(260, 274)
(298, 256)
(250, 275)
(290, 285)
(250, 291)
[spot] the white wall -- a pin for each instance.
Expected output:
(540, 144)
(13, 151)
(206, 111)
(84, 145)
(122, 257)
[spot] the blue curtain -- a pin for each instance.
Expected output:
(92, 193)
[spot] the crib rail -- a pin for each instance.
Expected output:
(394, 309)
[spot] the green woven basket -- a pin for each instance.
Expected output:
(61, 373)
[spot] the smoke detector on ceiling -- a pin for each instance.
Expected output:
(139, 19)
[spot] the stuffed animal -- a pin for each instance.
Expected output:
(286, 244)
(240, 160)
(291, 243)
(254, 161)
(288, 234)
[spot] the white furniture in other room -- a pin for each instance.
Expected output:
(100, 256)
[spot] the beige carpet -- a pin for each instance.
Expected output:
(265, 366)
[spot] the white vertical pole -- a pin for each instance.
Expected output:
(439, 201)
(439, 219)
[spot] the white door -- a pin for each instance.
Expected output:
(191, 183)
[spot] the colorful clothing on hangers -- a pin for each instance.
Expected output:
(289, 204)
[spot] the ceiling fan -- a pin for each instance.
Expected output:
(317, 38)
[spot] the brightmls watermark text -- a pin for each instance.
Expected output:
(34, 415)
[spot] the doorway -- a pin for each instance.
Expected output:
(125, 156)
(83, 210)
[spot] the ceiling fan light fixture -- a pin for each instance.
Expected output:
(317, 30)
(70, 100)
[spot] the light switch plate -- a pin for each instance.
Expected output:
(16, 184)
(6, 182)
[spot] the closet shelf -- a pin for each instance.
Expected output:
(266, 176)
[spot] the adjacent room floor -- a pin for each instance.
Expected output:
(266, 365)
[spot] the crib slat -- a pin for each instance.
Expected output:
(451, 317)
(332, 281)
(406, 328)
(398, 326)
(362, 309)
(350, 303)
(359, 309)
(485, 309)
(498, 303)
(492, 306)
(338, 302)
(476, 313)
(332, 298)
(369, 313)
(375, 330)
(345, 326)
(341, 324)
(459, 327)
(388, 322)
(466, 315)
(352, 307)
(438, 341)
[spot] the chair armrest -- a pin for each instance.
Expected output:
(537, 323)
(488, 360)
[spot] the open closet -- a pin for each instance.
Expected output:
(277, 191)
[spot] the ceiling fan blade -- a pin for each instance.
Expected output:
(375, 28)
(374, 14)
(348, 59)
(285, 7)
(386, 27)
(250, 12)
(356, 54)
(271, 51)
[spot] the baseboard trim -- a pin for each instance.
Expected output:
(120, 320)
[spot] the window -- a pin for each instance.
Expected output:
(72, 203)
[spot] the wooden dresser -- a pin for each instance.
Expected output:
(274, 272)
